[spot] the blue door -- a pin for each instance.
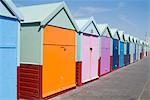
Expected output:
(121, 54)
(127, 58)
(115, 54)
(8, 58)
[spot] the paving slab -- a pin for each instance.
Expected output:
(128, 83)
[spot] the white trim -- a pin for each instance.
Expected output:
(18, 45)
(92, 78)
(30, 63)
(42, 41)
(84, 81)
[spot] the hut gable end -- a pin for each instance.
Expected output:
(62, 19)
(116, 37)
(88, 25)
(115, 34)
(4, 11)
(91, 29)
(106, 33)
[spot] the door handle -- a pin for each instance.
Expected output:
(91, 49)
(63, 48)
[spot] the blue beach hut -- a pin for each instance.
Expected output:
(115, 52)
(9, 49)
(121, 48)
(127, 57)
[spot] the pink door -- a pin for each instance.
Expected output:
(85, 58)
(105, 55)
(94, 57)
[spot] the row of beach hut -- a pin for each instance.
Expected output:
(44, 50)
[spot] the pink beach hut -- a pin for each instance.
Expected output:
(87, 50)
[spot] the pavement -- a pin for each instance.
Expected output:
(131, 82)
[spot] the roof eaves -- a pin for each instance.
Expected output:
(113, 32)
(91, 20)
(95, 24)
(127, 37)
(83, 28)
(105, 28)
(121, 35)
(50, 17)
(11, 6)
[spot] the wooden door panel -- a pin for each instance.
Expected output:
(115, 54)
(85, 58)
(94, 57)
(58, 69)
(105, 56)
(55, 35)
(69, 71)
(52, 69)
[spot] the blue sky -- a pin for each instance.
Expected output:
(131, 16)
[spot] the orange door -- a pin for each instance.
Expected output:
(68, 67)
(58, 61)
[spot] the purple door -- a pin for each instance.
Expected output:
(105, 55)
(94, 57)
(85, 58)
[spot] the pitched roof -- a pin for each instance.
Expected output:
(138, 40)
(121, 35)
(126, 36)
(131, 38)
(38, 13)
(145, 43)
(141, 42)
(135, 40)
(44, 13)
(13, 9)
(114, 33)
(103, 28)
(83, 24)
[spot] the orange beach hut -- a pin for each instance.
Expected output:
(48, 42)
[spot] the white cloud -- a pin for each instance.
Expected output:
(126, 20)
(89, 11)
(95, 9)
(130, 25)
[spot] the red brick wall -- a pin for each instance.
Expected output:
(141, 56)
(29, 82)
(99, 67)
(79, 73)
(125, 60)
(111, 60)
